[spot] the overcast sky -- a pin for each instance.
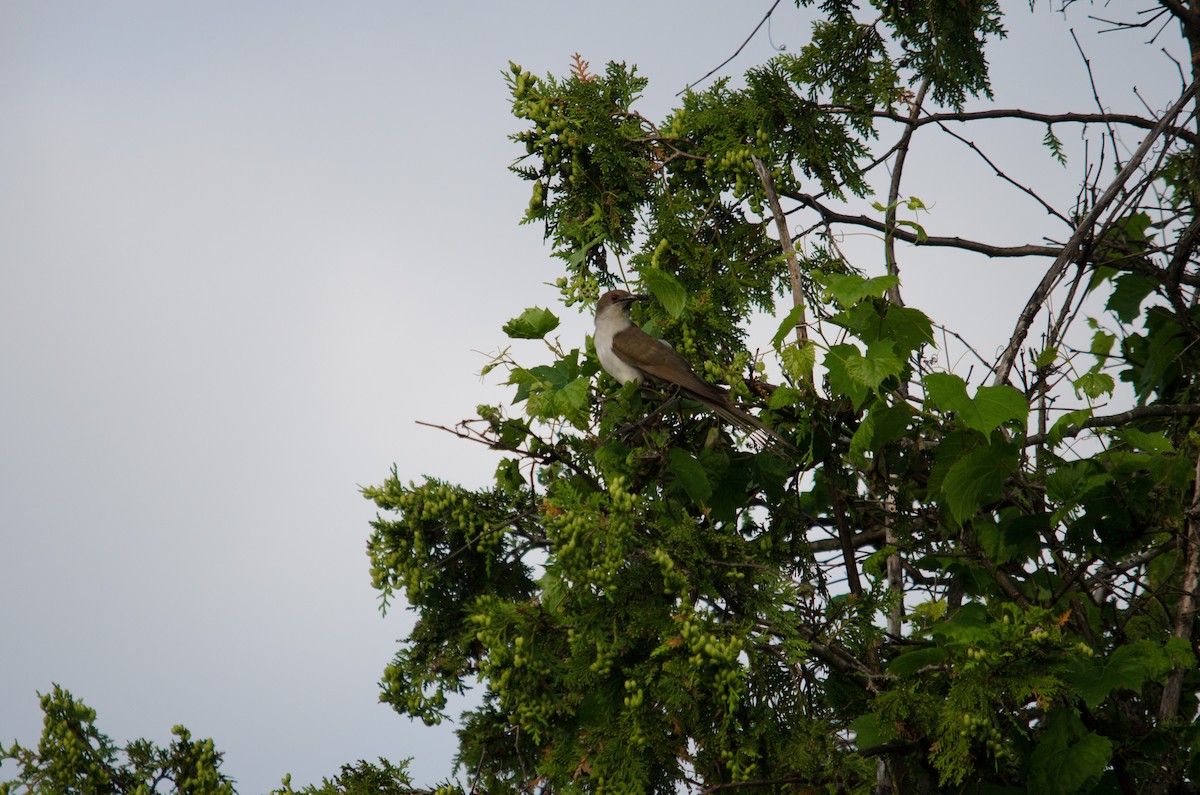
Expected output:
(243, 247)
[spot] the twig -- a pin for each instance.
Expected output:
(971, 145)
(736, 52)
(1087, 64)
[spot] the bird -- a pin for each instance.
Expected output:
(631, 355)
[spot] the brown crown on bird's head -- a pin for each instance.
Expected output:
(617, 298)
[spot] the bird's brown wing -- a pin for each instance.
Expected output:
(655, 358)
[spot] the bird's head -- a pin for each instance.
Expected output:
(617, 301)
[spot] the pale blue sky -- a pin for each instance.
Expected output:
(244, 246)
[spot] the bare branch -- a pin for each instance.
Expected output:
(736, 52)
(1124, 418)
(1025, 189)
(1068, 253)
(829, 216)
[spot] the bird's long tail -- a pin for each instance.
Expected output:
(762, 434)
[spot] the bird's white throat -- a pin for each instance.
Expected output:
(609, 323)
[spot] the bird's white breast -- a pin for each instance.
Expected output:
(608, 324)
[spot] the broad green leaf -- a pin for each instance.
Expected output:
(991, 407)
(933, 610)
(1135, 227)
(850, 288)
(863, 439)
(891, 422)
(1016, 536)
(975, 479)
(948, 392)
(666, 289)
(1071, 768)
(879, 364)
(533, 324)
(1073, 481)
(787, 326)
(908, 328)
(838, 361)
(1129, 290)
(1102, 343)
(862, 320)
(999, 404)
(798, 362)
(1129, 667)
(1066, 423)
(729, 479)
(1100, 275)
(1046, 358)
(1094, 384)
(1068, 759)
(866, 731)
(689, 475)
(969, 626)
(574, 395)
(910, 662)
(1150, 442)
(883, 424)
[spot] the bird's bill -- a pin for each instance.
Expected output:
(633, 297)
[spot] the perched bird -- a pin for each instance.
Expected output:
(629, 354)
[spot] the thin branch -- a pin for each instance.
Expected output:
(1045, 118)
(496, 444)
(1087, 64)
(831, 217)
(1029, 191)
(866, 538)
(736, 52)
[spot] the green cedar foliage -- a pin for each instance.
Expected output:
(956, 583)
(74, 758)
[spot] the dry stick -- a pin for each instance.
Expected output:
(785, 240)
(1025, 320)
(1185, 612)
(1087, 63)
